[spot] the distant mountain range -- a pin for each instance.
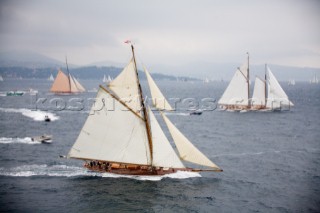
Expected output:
(34, 65)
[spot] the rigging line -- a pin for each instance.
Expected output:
(121, 102)
(68, 74)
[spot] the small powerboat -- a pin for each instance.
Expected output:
(47, 119)
(43, 139)
(196, 112)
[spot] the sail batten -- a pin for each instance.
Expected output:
(158, 99)
(187, 150)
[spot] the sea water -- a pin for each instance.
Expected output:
(270, 159)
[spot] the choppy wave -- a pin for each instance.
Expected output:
(26, 140)
(177, 113)
(72, 171)
(35, 115)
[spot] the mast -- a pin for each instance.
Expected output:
(248, 79)
(68, 74)
(145, 114)
(265, 86)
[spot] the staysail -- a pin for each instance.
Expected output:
(259, 94)
(276, 95)
(112, 133)
(236, 93)
(158, 99)
(187, 150)
(163, 154)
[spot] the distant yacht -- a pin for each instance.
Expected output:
(267, 93)
(314, 80)
(66, 84)
(1, 79)
(106, 79)
(291, 82)
(51, 78)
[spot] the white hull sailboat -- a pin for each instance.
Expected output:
(121, 135)
(268, 95)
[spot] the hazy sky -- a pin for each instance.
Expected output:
(165, 32)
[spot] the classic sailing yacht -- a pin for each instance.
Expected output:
(267, 93)
(122, 135)
(314, 80)
(66, 83)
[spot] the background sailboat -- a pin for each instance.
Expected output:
(122, 135)
(66, 84)
(1, 79)
(314, 80)
(267, 93)
(51, 78)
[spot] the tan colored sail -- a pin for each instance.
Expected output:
(187, 150)
(61, 83)
(163, 153)
(112, 133)
(158, 99)
(126, 88)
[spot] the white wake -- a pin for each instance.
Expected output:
(25, 140)
(36, 115)
(73, 171)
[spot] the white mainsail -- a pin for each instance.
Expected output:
(112, 133)
(163, 153)
(126, 88)
(1, 79)
(276, 97)
(237, 91)
(259, 93)
(158, 99)
(187, 150)
(314, 80)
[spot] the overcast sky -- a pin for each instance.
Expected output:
(165, 32)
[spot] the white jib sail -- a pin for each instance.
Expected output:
(126, 88)
(158, 99)
(258, 97)
(187, 150)
(79, 86)
(112, 133)
(237, 90)
(276, 95)
(163, 153)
